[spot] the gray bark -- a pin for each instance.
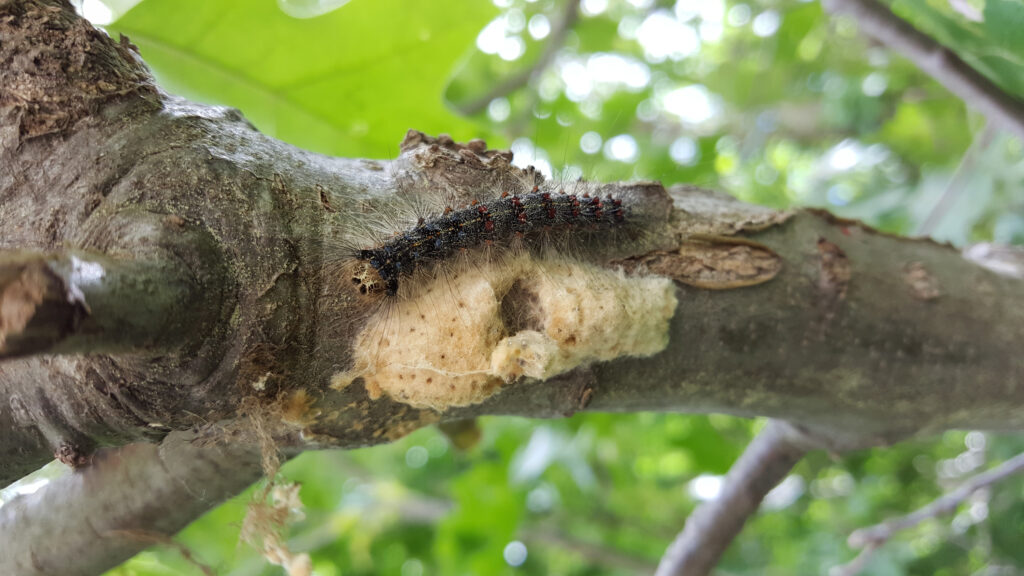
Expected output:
(121, 504)
(857, 337)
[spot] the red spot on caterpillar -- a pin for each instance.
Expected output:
(548, 204)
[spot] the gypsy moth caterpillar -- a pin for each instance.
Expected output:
(508, 219)
(469, 297)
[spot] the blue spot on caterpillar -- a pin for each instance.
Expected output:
(536, 215)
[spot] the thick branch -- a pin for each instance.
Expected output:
(713, 525)
(83, 524)
(77, 304)
(861, 337)
(977, 91)
(56, 69)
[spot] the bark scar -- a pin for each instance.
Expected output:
(834, 271)
(19, 301)
(922, 284)
(712, 263)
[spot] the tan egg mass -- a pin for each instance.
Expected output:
(463, 336)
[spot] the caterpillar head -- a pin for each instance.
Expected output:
(366, 280)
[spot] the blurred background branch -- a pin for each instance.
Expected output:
(874, 537)
(713, 525)
(958, 183)
(562, 27)
(875, 19)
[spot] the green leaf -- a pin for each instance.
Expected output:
(339, 83)
(993, 46)
(1004, 20)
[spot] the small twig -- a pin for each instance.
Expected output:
(873, 537)
(713, 525)
(942, 64)
(957, 184)
(521, 78)
(943, 505)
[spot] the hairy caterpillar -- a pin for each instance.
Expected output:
(470, 299)
(508, 219)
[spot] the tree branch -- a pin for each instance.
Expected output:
(713, 525)
(942, 64)
(77, 303)
(859, 337)
(84, 523)
(874, 537)
(944, 505)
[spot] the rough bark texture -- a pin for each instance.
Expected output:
(855, 336)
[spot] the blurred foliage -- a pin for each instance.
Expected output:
(771, 100)
(339, 83)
